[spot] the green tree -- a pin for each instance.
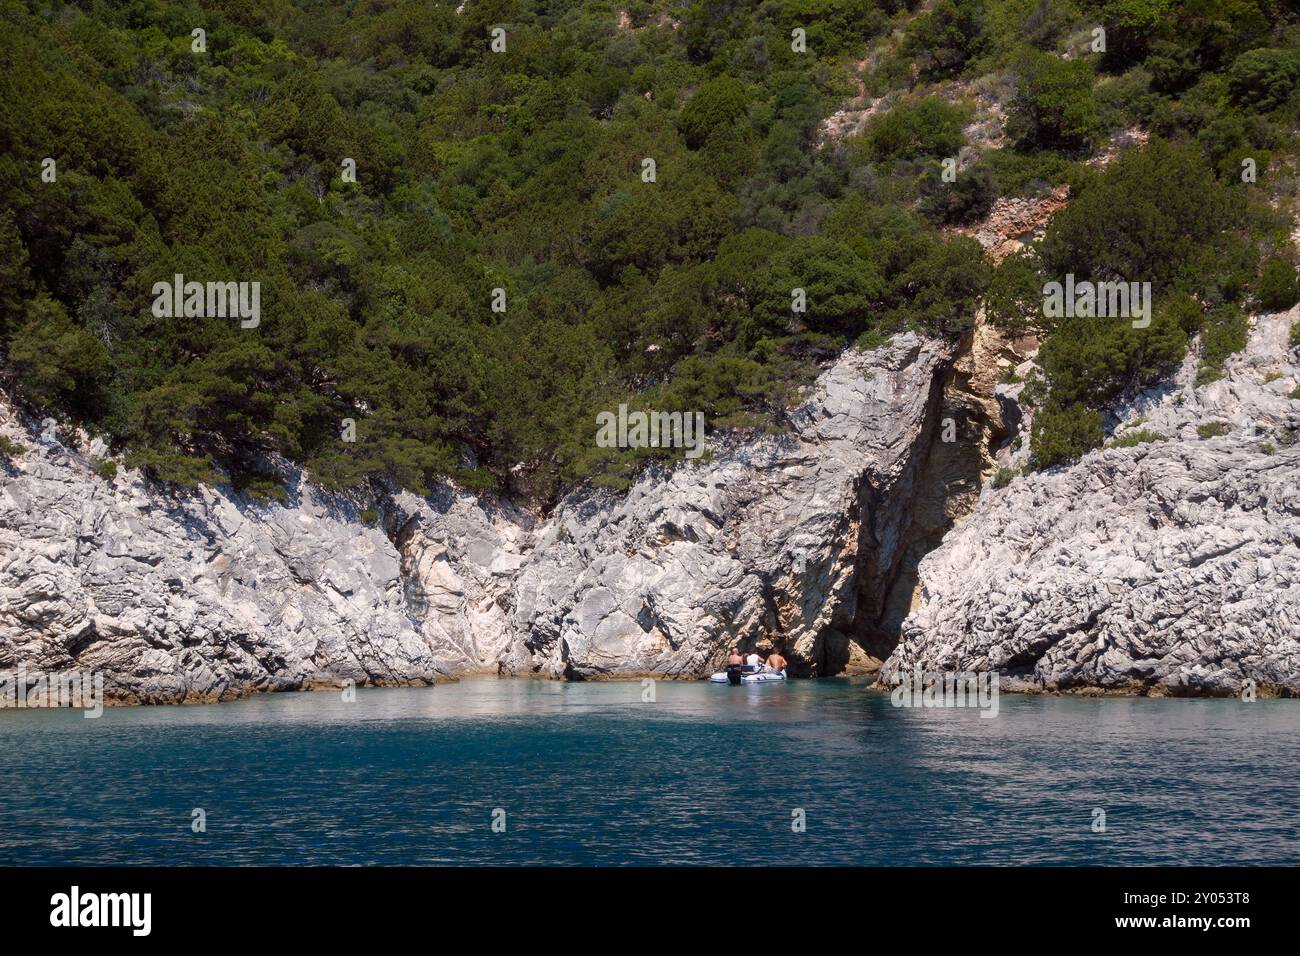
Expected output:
(839, 290)
(1062, 434)
(945, 38)
(1264, 79)
(915, 127)
(1143, 220)
(963, 201)
(1279, 285)
(1014, 298)
(713, 109)
(57, 362)
(1054, 106)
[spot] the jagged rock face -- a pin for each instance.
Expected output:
(459, 557)
(766, 544)
(1171, 567)
(1168, 567)
(1013, 221)
(208, 596)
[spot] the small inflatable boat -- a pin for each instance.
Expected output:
(732, 675)
(746, 675)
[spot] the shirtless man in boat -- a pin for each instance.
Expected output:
(735, 665)
(775, 662)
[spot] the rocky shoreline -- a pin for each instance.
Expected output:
(1169, 567)
(1163, 568)
(210, 595)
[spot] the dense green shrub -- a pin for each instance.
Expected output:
(939, 289)
(1060, 435)
(1031, 174)
(840, 290)
(944, 38)
(712, 110)
(1264, 79)
(914, 128)
(1172, 66)
(1014, 298)
(1144, 220)
(57, 361)
(963, 201)
(1125, 101)
(1279, 286)
(1054, 106)
(1095, 360)
(1040, 23)
(1225, 333)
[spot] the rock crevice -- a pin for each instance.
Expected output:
(1166, 567)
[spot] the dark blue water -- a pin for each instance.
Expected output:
(588, 773)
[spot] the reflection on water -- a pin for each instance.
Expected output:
(588, 773)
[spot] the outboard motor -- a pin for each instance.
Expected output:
(733, 674)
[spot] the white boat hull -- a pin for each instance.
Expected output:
(762, 677)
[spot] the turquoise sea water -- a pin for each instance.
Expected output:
(704, 774)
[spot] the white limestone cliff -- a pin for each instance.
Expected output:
(209, 595)
(1168, 567)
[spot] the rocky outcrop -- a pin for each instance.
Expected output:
(780, 541)
(1014, 221)
(1171, 566)
(209, 596)
(1168, 566)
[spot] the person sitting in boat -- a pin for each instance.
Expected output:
(775, 663)
(754, 662)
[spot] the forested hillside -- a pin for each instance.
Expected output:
(523, 169)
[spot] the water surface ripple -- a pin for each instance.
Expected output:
(589, 774)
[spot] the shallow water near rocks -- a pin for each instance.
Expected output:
(589, 774)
